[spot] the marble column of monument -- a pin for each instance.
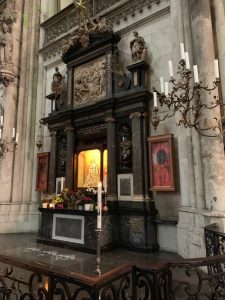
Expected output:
(220, 35)
(70, 157)
(145, 155)
(137, 156)
(111, 147)
(212, 151)
(52, 164)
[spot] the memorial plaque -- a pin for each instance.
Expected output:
(68, 228)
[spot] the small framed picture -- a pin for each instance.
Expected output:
(60, 184)
(125, 186)
(42, 172)
(161, 163)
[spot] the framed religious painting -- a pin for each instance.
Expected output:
(42, 172)
(161, 163)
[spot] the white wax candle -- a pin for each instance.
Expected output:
(166, 88)
(170, 68)
(1, 120)
(182, 55)
(105, 182)
(162, 84)
(0, 133)
(216, 68)
(13, 133)
(99, 205)
(155, 99)
(62, 183)
(195, 69)
(17, 137)
(53, 104)
(187, 61)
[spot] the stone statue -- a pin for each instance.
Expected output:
(57, 83)
(137, 47)
(6, 44)
(58, 87)
(101, 26)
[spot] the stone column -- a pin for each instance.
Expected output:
(137, 156)
(52, 164)
(70, 157)
(111, 146)
(220, 36)
(9, 71)
(212, 150)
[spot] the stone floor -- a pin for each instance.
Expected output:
(25, 246)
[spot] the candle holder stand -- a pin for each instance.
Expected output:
(98, 250)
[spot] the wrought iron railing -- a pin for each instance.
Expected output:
(184, 279)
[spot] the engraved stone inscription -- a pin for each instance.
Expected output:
(91, 130)
(136, 234)
(70, 228)
(90, 81)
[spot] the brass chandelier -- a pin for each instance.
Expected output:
(185, 99)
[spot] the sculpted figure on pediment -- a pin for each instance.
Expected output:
(137, 47)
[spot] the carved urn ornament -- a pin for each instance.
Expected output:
(7, 18)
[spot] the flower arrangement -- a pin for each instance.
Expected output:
(69, 198)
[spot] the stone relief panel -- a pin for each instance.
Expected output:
(90, 82)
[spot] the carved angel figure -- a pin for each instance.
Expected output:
(101, 26)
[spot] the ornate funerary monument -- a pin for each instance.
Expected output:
(98, 127)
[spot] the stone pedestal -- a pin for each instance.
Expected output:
(139, 72)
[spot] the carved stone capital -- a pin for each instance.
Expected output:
(110, 120)
(69, 128)
(53, 133)
(135, 115)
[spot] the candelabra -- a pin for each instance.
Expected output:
(5, 144)
(185, 99)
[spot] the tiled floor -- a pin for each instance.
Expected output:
(25, 246)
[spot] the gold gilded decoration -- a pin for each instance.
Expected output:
(81, 7)
(90, 81)
(86, 26)
(89, 168)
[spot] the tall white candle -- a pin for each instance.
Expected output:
(162, 84)
(13, 133)
(166, 88)
(155, 99)
(53, 104)
(17, 137)
(187, 61)
(0, 133)
(182, 55)
(195, 69)
(62, 178)
(170, 68)
(216, 68)
(105, 182)
(1, 120)
(99, 205)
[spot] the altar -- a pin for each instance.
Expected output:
(99, 129)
